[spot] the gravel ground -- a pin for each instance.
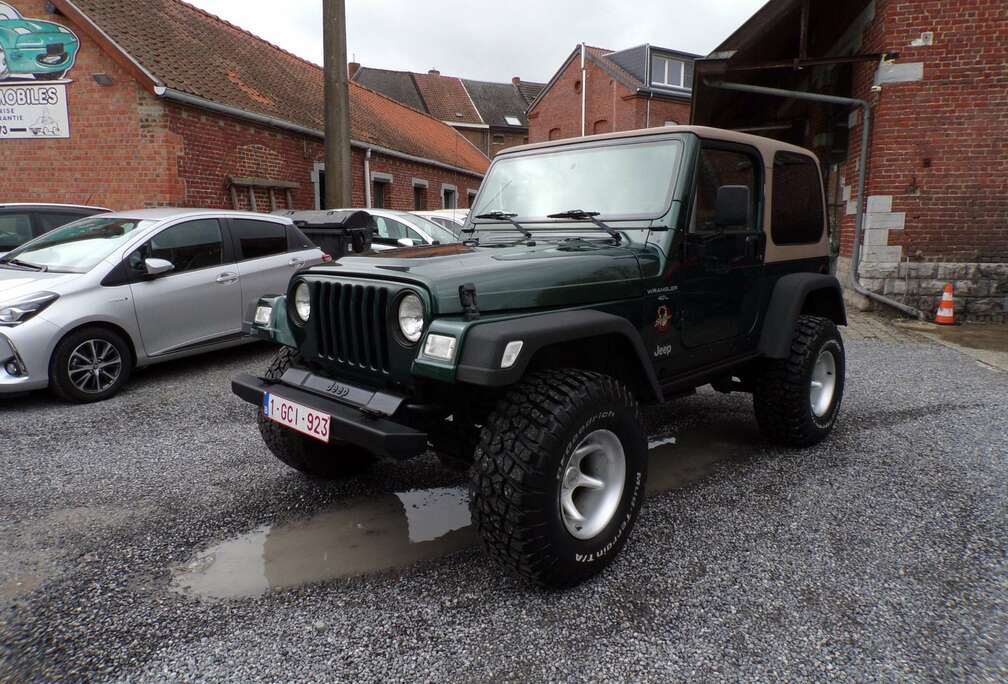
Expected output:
(880, 554)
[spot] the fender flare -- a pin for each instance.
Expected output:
(788, 302)
(483, 347)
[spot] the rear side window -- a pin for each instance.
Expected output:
(188, 246)
(49, 221)
(15, 230)
(297, 241)
(797, 211)
(258, 239)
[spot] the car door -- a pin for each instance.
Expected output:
(722, 268)
(199, 301)
(268, 253)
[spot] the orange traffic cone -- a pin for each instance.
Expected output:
(946, 308)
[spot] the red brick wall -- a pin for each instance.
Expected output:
(609, 106)
(120, 154)
(130, 149)
(511, 139)
(940, 146)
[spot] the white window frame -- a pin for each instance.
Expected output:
(664, 82)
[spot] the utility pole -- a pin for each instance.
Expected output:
(338, 185)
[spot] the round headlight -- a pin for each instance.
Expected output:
(302, 302)
(411, 317)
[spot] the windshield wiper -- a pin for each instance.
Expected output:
(582, 215)
(24, 264)
(509, 217)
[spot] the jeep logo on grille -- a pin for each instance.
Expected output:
(338, 390)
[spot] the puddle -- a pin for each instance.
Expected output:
(394, 530)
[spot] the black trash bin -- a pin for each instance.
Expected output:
(336, 231)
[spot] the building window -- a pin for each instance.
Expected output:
(512, 121)
(577, 86)
(668, 72)
(600, 126)
(449, 195)
(498, 139)
(471, 196)
(381, 190)
(419, 198)
(554, 134)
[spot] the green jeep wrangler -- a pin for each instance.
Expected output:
(599, 274)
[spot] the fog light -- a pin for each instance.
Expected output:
(511, 352)
(440, 347)
(263, 315)
(13, 369)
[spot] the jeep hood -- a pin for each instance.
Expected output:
(521, 277)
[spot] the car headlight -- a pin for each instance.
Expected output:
(302, 302)
(21, 310)
(411, 317)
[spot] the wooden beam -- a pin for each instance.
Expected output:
(264, 183)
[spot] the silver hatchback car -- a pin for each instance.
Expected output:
(84, 305)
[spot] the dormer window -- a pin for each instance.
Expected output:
(668, 72)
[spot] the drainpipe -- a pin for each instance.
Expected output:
(367, 178)
(584, 89)
(866, 109)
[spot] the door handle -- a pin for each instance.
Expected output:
(296, 262)
(227, 278)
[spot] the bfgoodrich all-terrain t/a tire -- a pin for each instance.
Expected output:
(559, 476)
(797, 399)
(309, 456)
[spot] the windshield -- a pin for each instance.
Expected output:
(8, 12)
(79, 246)
(624, 180)
(437, 232)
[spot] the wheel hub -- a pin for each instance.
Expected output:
(592, 484)
(94, 366)
(823, 384)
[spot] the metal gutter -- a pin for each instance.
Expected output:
(862, 174)
(203, 103)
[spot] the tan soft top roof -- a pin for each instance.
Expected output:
(766, 146)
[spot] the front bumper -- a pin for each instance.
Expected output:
(30, 346)
(367, 422)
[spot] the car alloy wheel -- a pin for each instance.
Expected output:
(823, 383)
(94, 366)
(592, 484)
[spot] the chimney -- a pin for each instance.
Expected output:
(434, 72)
(516, 81)
(352, 69)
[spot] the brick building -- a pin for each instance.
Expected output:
(600, 91)
(934, 77)
(166, 105)
(491, 115)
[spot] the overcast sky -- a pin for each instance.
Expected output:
(485, 40)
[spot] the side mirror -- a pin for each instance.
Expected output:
(405, 242)
(732, 207)
(156, 267)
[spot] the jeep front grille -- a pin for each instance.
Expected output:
(349, 323)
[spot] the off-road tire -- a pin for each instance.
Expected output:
(309, 456)
(781, 392)
(60, 383)
(516, 480)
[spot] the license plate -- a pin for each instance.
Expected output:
(297, 417)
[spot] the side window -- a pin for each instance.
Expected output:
(415, 236)
(717, 168)
(189, 246)
(796, 212)
(15, 230)
(389, 229)
(51, 221)
(257, 239)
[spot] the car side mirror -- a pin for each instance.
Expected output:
(156, 267)
(405, 242)
(732, 206)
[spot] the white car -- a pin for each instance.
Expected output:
(393, 228)
(83, 305)
(452, 219)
